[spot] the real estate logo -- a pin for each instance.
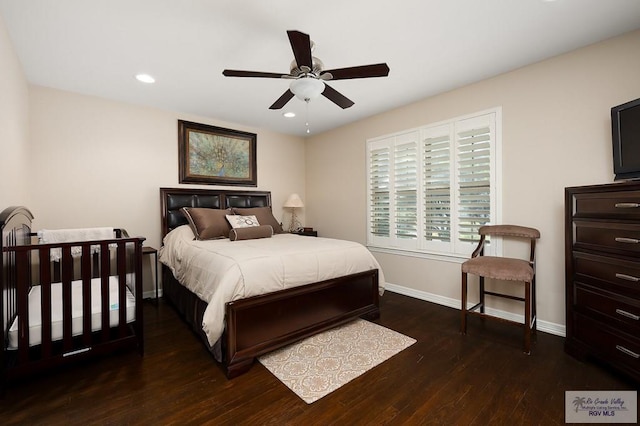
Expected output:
(601, 406)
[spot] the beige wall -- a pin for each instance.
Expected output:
(101, 163)
(14, 126)
(556, 133)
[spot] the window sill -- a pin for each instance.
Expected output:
(445, 257)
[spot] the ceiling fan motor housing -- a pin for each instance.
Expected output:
(316, 63)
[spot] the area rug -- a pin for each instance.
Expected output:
(318, 365)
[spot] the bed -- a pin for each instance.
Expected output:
(63, 302)
(259, 323)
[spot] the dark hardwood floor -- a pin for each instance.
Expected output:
(445, 378)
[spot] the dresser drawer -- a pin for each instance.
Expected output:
(619, 349)
(609, 273)
(619, 204)
(621, 238)
(621, 312)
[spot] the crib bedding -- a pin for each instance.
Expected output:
(35, 319)
(220, 271)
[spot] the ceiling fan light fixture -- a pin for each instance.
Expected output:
(307, 88)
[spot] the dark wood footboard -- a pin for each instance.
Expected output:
(260, 324)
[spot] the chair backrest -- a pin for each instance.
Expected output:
(510, 231)
(513, 231)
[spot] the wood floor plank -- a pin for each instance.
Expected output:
(444, 378)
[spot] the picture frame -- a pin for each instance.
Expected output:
(215, 155)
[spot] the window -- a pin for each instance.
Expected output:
(431, 188)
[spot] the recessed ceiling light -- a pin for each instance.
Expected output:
(289, 114)
(145, 78)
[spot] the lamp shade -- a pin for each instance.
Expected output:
(307, 88)
(294, 201)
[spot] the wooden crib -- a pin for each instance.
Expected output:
(87, 303)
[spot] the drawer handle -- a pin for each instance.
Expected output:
(627, 240)
(627, 205)
(627, 314)
(627, 351)
(628, 277)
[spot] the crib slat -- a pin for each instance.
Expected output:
(22, 284)
(96, 265)
(12, 291)
(122, 288)
(67, 277)
(86, 274)
(45, 294)
(9, 308)
(105, 267)
(138, 325)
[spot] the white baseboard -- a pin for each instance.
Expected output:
(151, 294)
(543, 326)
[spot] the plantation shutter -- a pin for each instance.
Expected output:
(379, 192)
(474, 140)
(406, 187)
(431, 188)
(437, 184)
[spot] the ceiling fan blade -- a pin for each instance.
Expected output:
(238, 73)
(363, 71)
(336, 97)
(301, 46)
(282, 100)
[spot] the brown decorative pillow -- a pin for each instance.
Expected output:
(251, 233)
(264, 216)
(208, 224)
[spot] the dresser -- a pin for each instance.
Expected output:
(602, 255)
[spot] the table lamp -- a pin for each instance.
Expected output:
(294, 202)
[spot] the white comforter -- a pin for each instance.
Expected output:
(219, 271)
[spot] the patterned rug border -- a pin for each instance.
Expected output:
(316, 366)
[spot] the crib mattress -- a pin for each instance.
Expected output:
(35, 314)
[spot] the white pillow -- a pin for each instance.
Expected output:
(238, 221)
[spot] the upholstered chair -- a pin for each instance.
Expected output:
(519, 272)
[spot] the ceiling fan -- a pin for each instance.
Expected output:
(309, 77)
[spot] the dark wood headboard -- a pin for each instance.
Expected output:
(173, 199)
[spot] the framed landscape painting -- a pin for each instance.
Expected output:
(215, 155)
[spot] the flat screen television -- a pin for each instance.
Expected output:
(625, 130)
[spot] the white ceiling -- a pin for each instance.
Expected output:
(97, 46)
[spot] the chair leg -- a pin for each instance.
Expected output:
(533, 308)
(463, 310)
(481, 280)
(527, 318)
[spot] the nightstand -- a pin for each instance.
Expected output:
(306, 233)
(154, 252)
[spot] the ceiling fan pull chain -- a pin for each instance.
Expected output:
(307, 116)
